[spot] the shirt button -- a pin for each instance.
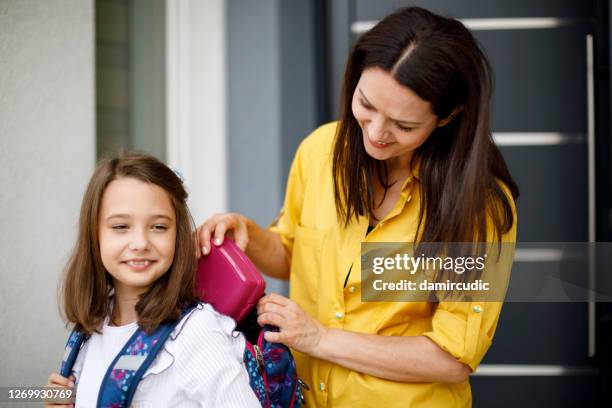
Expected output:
(408, 198)
(338, 316)
(477, 309)
(322, 386)
(352, 289)
(381, 223)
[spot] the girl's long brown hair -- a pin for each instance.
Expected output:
(86, 285)
(460, 166)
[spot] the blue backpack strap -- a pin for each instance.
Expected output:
(135, 357)
(125, 372)
(73, 346)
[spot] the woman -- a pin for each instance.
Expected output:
(410, 160)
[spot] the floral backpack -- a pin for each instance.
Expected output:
(271, 368)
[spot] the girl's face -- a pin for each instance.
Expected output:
(137, 234)
(394, 120)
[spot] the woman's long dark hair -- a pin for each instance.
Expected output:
(460, 166)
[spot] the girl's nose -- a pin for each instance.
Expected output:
(139, 241)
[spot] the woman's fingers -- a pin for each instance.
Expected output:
(271, 318)
(270, 307)
(297, 329)
(273, 309)
(216, 227)
(220, 229)
(275, 298)
(204, 238)
(273, 337)
(241, 235)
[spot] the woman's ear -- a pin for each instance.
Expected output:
(446, 120)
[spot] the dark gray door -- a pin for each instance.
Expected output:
(543, 354)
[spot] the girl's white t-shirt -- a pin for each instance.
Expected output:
(200, 365)
(101, 350)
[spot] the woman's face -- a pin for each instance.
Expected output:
(394, 120)
(137, 233)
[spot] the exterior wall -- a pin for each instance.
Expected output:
(48, 142)
(47, 149)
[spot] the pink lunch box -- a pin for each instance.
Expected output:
(228, 280)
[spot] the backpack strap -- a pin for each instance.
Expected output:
(126, 370)
(73, 346)
(272, 372)
(284, 388)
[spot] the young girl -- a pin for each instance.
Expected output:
(133, 266)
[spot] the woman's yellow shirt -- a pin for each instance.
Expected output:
(323, 251)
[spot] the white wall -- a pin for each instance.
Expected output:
(196, 101)
(47, 148)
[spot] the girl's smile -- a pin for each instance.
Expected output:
(138, 264)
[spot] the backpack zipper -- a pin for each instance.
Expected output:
(259, 357)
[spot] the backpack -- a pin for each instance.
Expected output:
(271, 368)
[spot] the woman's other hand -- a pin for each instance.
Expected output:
(215, 228)
(56, 380)
(298, 330)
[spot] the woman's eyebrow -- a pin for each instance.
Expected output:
(364, 97)
(403, 122)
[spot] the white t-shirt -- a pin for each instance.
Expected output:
(200, 365)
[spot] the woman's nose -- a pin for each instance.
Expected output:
(377, 128)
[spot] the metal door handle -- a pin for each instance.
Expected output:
(591, 189)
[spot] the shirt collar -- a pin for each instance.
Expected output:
(414, 176)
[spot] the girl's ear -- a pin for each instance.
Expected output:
(446, 120)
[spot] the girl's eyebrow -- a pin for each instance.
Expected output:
(403, 122)
(117, 216)
(155, 216)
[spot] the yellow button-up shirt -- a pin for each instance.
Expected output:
(323, 250)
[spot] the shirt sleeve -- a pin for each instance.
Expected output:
(290, 214)
(466, 329)
(211, 364)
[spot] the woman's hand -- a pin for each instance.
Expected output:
(396, 358)
(215, 228)
(298, 330)
(265, 248)
(56, 380)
